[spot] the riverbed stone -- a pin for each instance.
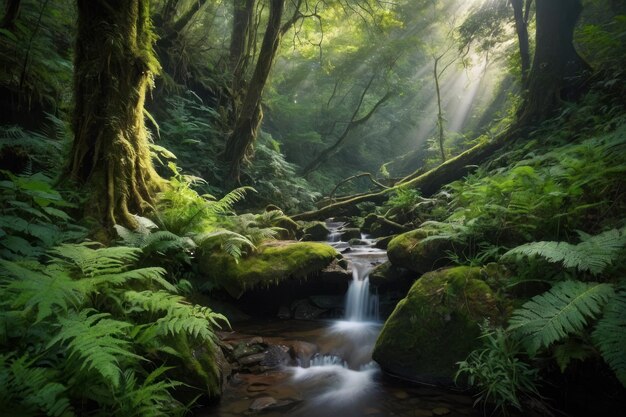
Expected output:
(272, 263)
(350, 233)
(437, 325)
(411, 251)
(315, 231)
(387, 277)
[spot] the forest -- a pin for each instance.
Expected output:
(311, 208)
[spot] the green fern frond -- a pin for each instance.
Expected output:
(95, 342)
(559, 312)
(593, 253)
(180, 316)
(43, 289)
(92, 262)
(610, 334)
(225, 204)
(152, 398)
(149, 274)
(29, 390)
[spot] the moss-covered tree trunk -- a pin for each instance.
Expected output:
(114, 66)
(250, 115)
(558, 72)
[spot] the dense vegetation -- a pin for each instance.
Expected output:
(491, 133)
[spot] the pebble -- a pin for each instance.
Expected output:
(441, 411)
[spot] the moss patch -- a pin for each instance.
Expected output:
(273, 263)
(436, 325)
(408, 250)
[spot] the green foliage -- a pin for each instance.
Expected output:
(498, 373)
(94, 342)
(593, 253)
(276, 180)
(610, 333)
(77, 330)
(36, 55)
(32, 216)
(30, 389)
(565, 309)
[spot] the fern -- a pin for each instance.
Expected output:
(152, 398)
(92, 262)
(593, 253)
(96, 341)
(177, 316)
(610, 334)
(29, 390)
(43, 289)
(563, 310)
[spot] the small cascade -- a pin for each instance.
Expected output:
(361, 305)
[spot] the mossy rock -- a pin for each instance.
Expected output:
(274, 262)
(316, 231)
(389, 277)
(408, 250)
(437, 325)
(350, 233)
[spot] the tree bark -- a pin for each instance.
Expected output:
(521, 28)
(558, 72)
(250, 115)
(114, 66)
(439, 111)
(11, 10)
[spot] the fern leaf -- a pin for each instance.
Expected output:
(43, 289)
(563, 310)
(96, 342)
(610, 334)
(92, 262)
(593, 253)
(31, 389)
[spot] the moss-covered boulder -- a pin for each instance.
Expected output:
(349, 233)
(315, 231)
(436, 325)
(274, 262)
(410, 251)
(386, 277)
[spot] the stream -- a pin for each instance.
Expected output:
(333, 373)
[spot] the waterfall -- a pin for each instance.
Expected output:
(361, 305)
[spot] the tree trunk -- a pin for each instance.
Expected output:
(250, 115)
(11, 10)
(558, 72)
(439, 112)
(521, 28)
(243, 14)
(114, 66)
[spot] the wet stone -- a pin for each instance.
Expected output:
(441, 411)
(252, 359)
(244, 349)
(262, 403)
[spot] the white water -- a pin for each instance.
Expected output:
(346, 372)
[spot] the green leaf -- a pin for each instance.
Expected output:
(559, 312)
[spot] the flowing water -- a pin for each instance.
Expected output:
(340, 378)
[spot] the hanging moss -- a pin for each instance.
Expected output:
(114, 66)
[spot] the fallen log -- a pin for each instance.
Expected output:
(428, 183)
